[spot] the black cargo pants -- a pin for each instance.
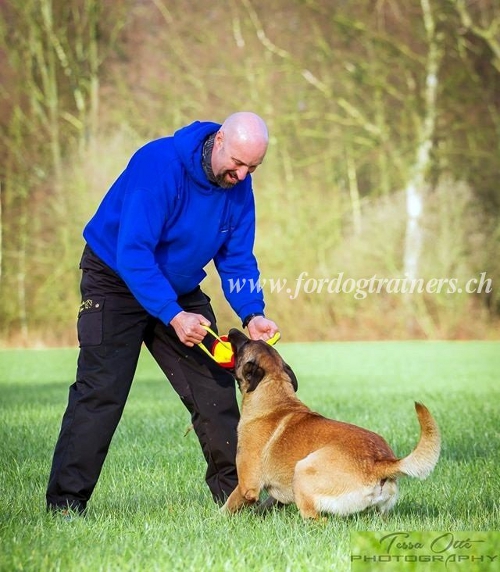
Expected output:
(112, 326)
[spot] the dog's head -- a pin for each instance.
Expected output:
(254, 360)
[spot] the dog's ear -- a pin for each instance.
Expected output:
(292, 376)
(253, 374)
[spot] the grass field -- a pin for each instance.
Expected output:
(151, 509)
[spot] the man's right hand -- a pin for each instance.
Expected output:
(188, 328)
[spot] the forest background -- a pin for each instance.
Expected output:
(383, 161)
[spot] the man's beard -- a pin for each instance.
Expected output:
(224, 182)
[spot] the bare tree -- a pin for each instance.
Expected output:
(417, 183)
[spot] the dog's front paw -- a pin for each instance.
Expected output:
(234, 502)
(237, 500)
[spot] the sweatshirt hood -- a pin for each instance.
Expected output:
(188, 143)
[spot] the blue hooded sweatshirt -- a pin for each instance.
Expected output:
(163, 221)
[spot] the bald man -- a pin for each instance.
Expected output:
(181, 202)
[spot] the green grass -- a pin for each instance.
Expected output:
(151, 509)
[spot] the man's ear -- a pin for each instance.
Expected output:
(219, 137)
(292, 376)
(253, 375)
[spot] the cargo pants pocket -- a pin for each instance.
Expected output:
(90, 321)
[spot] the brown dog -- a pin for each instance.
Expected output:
(300, 456)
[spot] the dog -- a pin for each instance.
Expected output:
(298, 456)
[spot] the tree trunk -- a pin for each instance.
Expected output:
(417, 183)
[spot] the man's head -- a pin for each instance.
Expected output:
(239, 148)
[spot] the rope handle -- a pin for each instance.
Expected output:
(224, 343)
(227, 345)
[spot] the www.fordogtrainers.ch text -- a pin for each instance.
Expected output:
(360, 288)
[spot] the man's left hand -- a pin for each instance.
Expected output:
(260, 328)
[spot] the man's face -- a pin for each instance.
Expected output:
(233, 161)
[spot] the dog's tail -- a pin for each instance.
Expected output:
(422, 460)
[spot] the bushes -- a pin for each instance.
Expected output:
(355, 290)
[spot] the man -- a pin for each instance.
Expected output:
(181, 202)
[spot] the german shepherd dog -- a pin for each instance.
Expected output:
(299, 456)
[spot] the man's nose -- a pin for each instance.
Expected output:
(241, 172)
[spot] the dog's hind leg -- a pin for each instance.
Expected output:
(302, 491)
(387, 497)
(306, 507)
(319, 487)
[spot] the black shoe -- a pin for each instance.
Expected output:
(66, 512)
(267, 505)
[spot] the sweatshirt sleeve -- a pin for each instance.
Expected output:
(144, 212)
(237, 265)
